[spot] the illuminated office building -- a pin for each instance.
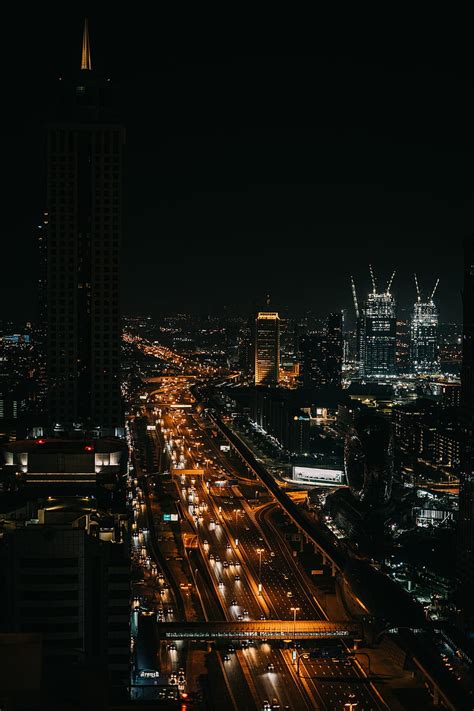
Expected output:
(424, 335)
(377, 333)
(267, 348)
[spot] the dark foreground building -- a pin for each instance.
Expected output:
(67, 578)
(465, 569)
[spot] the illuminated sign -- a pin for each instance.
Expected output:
(170, 517)
(225, 447)
(318, 475)
(149, 674)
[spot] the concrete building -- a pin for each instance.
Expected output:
(66, 576)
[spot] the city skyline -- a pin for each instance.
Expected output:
(232, 469)
(328, 178)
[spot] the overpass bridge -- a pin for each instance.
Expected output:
(259, 629)
(312, 531)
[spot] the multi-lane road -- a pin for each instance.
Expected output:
(243, 568)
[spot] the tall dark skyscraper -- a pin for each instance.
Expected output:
(84, 209)
(465, 562)
(377, 333)
(322, 354)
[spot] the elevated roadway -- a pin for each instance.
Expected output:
(259, 629)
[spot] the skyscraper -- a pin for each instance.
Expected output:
(322, 353)
(84, 206)
(377, 333)
(424, 334)
(267, 348)
(465, 544)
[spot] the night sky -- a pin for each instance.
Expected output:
(248, 173)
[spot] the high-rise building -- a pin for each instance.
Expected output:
(83, 234)
(377, 333)
(245, 348)
(424, 335)
(465, 545)
(267, 348)
(322, 354)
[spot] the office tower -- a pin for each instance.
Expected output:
(465, 533)
(377, 332)
(84, 206)
(267, 348)
(245, 348)
(321, 354)
(368, 459)
(424, 334)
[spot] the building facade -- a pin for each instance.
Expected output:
(68, 578)
(465, 532)
(267, 348)
(424, 338)
(83, 235)
(321, 355)
(377, 336)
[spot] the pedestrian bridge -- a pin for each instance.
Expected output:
(258, 629)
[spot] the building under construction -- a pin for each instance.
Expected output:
(376, 331)
(424, 334)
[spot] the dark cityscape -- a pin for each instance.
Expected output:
(236, 374)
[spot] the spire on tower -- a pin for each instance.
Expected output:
(86, 49)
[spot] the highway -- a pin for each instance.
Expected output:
(241, 551)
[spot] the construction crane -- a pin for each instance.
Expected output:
(389, 284)
(372, 276)
(354, 296)
(418, 294)
(434, 289)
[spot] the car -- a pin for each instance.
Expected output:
(266, 705)
(237, 564)
(262, 617)
(233, 602)
(231, 563)
(225, 564)
(206, 542)
(275, 704)
(221, 583)
(211, 556)
(245, 611)
(172, 647)
(271, 667)
(231, 649)
(218, 559)
(240, 618)
(228, 546)
(226, 658)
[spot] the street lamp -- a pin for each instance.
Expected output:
(294, 611)
(350, 705)
(260, 551)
